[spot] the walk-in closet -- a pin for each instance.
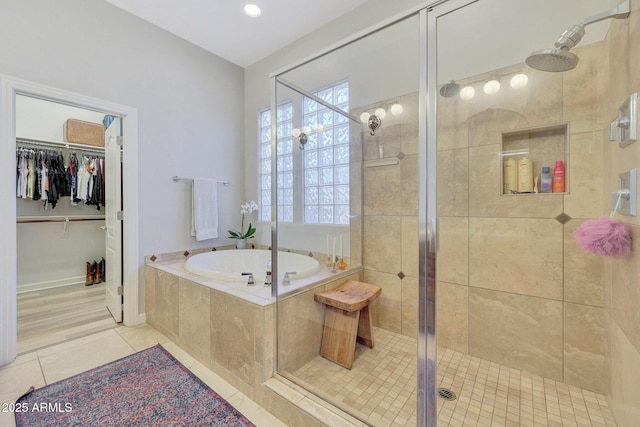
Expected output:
(60, 222)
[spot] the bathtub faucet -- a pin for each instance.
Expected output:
(251, 281)
(286, 280)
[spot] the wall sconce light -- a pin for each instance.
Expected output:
(492, 87)
(467, 92)
(373, 121)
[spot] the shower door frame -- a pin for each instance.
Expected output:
(427, 184)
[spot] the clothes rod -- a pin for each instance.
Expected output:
(178, 179)
(61, 144)
(29, 219)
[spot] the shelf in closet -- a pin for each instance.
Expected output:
(60, 144)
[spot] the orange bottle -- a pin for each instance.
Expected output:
(558, 177)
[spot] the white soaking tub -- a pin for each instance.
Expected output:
(229, 266)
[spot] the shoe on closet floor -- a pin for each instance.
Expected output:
(99, 273)
(90, 275)
(94, 272)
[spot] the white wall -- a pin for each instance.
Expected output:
(190, 102)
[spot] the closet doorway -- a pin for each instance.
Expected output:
(127, 220)
(69, 241)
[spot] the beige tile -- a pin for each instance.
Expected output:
(232, 344)
(182, 356)
(382, 194)
(409, 119)
(390, 137)
(624, 376)
(452, 123)
(15, 380)
(583, 272)
(300, 324)
(453, 182)
(584, 347)
(409, 184)
(254, 412)
(150, 280)
(387, 308)
(485, 188)
(409, 306)
(167, 303)
(453, 316)
(517, 255)
(383, 243)
(77, 343)
(72, 361)
(453, 252)
(217, 384)
(523, 332)
(625, 293)
(194, 314)
(410, 258)
(285, 410)
(142, 337)
(584, 88)
(585, 175)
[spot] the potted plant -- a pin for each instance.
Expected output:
(242, 235)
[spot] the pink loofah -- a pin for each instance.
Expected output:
(605, 236)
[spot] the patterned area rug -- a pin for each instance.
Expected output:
(149, 388)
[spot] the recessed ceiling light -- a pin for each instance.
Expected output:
(251, 10)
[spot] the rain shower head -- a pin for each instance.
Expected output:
(560, 59)
(554, 60)
(450, 89)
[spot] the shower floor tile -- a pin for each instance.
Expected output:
(380, 389)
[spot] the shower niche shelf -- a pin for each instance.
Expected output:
(544, 145)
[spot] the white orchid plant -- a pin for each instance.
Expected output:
(245, 209)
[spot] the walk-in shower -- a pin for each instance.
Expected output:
(560, 59)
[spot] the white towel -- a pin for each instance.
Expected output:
(204, 208)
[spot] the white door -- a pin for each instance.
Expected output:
(113, 191)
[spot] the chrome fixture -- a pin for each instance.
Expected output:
(450, 89)
(286, 280)
(374, 123)
(624, 128)
(560, 59)
(251, 281)
(302, 140)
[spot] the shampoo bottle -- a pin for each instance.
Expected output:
(558, 177)
(510, 175)
(525, 175)
(546, 180)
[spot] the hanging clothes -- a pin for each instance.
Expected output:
(46, 175)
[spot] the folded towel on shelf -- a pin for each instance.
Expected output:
(204, 208)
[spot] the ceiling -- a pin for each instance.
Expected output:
(221, 28)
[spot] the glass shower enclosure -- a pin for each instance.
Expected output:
(490, 313)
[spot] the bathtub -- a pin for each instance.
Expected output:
(228, 266)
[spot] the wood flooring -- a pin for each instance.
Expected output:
(52, 316)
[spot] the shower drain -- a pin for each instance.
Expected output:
(446, 394)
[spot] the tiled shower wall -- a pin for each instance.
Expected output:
(622, 276)
(390, 216)
(513, 286)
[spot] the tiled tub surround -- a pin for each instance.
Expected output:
(230, 327)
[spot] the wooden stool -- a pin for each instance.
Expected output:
(347, 319)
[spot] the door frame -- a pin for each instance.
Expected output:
(9, 88)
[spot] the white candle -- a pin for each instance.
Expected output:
(334, 250)
(328, 254)
(341, 246)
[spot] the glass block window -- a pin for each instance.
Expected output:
(326, 158)
(284, 140)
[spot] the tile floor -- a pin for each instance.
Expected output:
(381, 387)
(54, 363)
(381, 390)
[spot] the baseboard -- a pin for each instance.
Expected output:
(39, 286)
